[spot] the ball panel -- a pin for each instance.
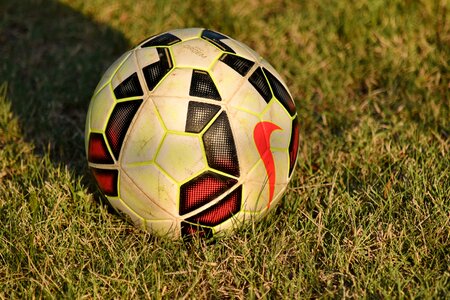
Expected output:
(122, 208)
(148, 192)
(98, 152)
(281, 93)
(265, 64)
(258, 191)
(181, 156)
(199, 115)
(146, 56)
(219, 212)
(101, 107)
(254, 195)
(143, 137)
(276, 114)
(237, 63)
(241, 50)
(259, 82)
(106, 181)
(195, 53)
(130, 87)
(203, 86)
(156, 71)
(176, 84)
(118, 124)
(125, 70)
(227, 79)
(253, 55)
(220, 147)
(243, 124)
(172, 111)
(165, 39)
(282, 166)
(169, 228)
(248, 99)
(293, 146)
(235, 222)
(187, 33)
(278, 197)
(203, 189)
(216, 39)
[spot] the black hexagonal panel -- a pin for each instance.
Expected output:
(220, 147)
(165, 39)
(199, 114)
(130, 87)
(259, 82)
(154, 72)
(237, 63)
(202, 85)
(118, 124)
(281, 93)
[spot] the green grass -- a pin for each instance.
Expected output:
(366, 215)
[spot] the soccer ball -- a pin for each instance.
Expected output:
(191, 132)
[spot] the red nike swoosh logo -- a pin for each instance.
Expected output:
(261, 136)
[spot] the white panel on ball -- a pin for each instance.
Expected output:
(281, 159)
(146, 56)
(197, 54)
(176, 84)
(101, 108)
(257, 184)
(186, 33)
(248, 99)
(240, 49)
(254, 195)
(276, 114)
(243, 124)
(181, 156)
(144, 136)
(227, 80)
(148, 192)
(125, 70)
(173, 112)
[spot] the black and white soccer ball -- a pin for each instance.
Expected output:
(192, 131)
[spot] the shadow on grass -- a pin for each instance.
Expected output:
(52, 59)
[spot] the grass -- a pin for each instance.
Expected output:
(367, 214)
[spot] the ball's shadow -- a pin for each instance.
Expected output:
(52, 59)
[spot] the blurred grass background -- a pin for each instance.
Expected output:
(367, 214)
